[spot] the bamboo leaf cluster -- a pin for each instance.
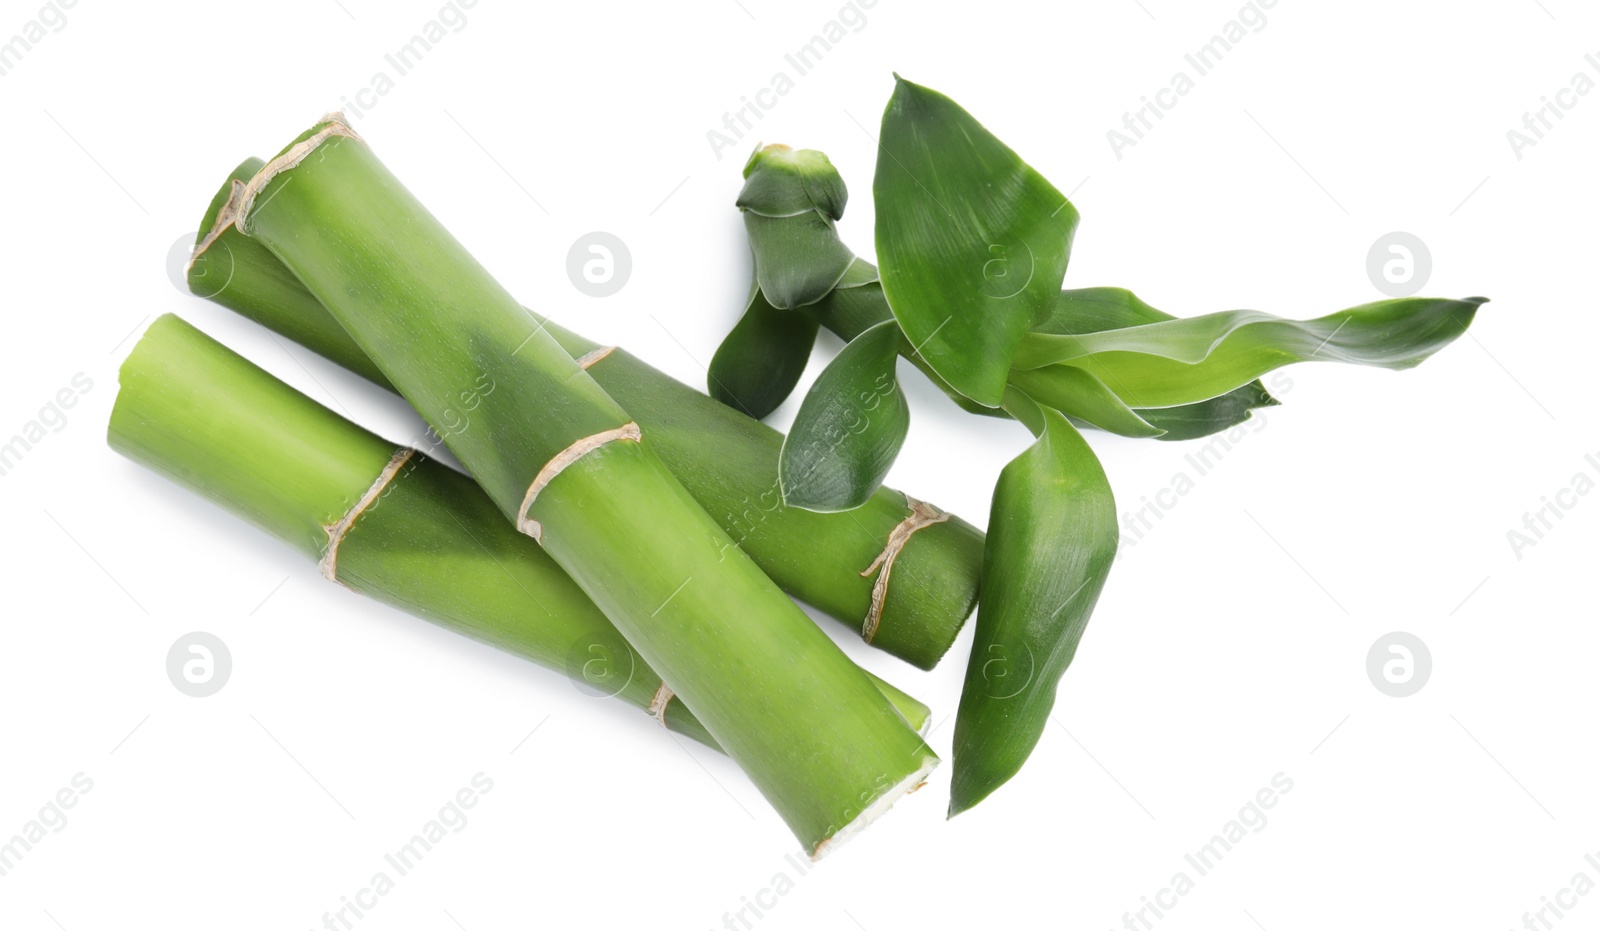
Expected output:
(973, 247)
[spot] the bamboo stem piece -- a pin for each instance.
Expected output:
(415, 535)
(726, 460)
(554, 453)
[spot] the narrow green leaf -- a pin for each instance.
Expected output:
(1052, 539)
(1088, 402)
(1023, 409)
(1194, 359)
(790, 201)
(1078, 394)
(972, 243)
(849, 428)
(1203, 418)
(762, 359)
(860, 274)
(1087, 310)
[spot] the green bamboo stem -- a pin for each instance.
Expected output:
(565, 463)
(726, 460)
(433, 545)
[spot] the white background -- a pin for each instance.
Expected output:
(1230, 644)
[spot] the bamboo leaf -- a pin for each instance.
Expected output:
(1080, 395)
(762, 358)
(790, 201)
(1183, 361)
(1088, 401)
(783, 182)
(849, 428)
(1203, 418)
(1087, 310)
(1052, 539)
(972, 243)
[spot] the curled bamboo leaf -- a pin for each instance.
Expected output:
(1203, 418)
(1080, 395)
(849, 428)
(1090, 310)
(790, 201)
(1052, 539)
(972, 242)
(1197, 358)
(1087, 400)
(762, 358)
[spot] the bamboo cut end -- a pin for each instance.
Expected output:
(225, 218)
(331, 126)
(876, 810)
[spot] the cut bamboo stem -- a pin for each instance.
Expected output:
(415, 534)
(727, 461)
(552, 450)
